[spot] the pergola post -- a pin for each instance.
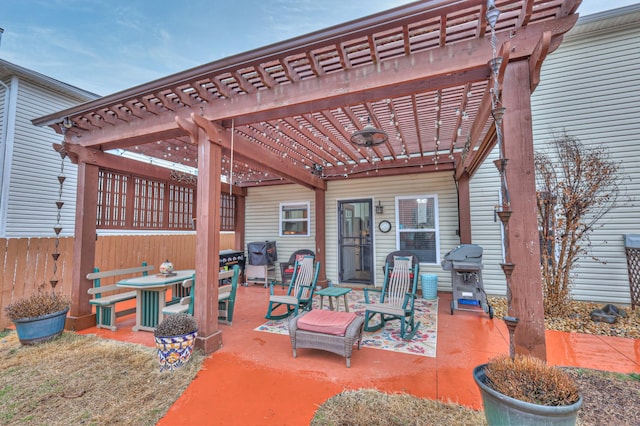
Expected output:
(84, 248)
(320, 235)
(527, 299)
(207, 242)
(464, 209)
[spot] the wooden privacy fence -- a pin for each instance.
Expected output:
(26, 263)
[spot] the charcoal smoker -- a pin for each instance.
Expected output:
(465, 264)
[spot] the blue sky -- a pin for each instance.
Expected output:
(108, 46)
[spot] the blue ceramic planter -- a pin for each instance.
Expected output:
(175, 351)
(40, 329)
(500, 409)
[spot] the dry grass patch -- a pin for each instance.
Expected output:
(369, 407)
(609, 399)
(77, 379)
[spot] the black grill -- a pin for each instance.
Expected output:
(465, 264)
(228, 258)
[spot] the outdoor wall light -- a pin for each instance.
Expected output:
(379, 208)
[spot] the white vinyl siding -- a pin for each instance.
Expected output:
(486, 231)
(33, 185)
(590, 87)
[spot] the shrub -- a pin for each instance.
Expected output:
(530, 379)
(176, 325)
(574, 193)
(38, 304)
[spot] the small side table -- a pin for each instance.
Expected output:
(334, 293)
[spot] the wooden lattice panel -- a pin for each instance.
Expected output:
(127, 201)
(633, 263)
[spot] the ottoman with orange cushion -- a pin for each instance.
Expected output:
(331, 331)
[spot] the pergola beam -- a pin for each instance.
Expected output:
(245, 150)
(105, 160)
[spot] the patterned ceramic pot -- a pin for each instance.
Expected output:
(166, 267)
(175, 351)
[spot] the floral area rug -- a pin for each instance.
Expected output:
(388, 338)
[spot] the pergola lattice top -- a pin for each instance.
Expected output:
(420, 72)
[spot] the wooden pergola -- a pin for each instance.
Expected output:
(284, 113)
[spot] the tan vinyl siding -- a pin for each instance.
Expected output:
(262, 215)
(263, 203)
(385, 189)
(590, 87)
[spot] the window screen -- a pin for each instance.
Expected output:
(294, 219)
(417, 227)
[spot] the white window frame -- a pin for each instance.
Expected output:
(436, 220)
(300, 204)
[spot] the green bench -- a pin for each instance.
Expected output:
(226, 297)
(185, 304)
(105, 298)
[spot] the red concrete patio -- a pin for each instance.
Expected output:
(254, 380)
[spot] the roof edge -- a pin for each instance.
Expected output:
(48, 81)
(621, 16)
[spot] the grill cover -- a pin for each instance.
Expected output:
(262, 253)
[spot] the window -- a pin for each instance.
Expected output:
(417, 226)
(294, 219)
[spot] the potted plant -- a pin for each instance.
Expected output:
(39, 317)
(524, 390)
(175, 337)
